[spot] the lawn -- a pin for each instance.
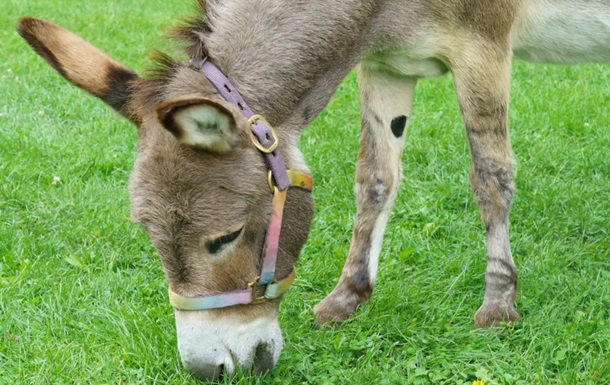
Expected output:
(83, 296)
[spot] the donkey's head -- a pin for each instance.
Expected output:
(201, 189)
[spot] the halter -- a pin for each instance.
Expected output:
(265, 139)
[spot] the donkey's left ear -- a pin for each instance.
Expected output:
(199, 122)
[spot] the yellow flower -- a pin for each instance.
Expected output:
(478, 382)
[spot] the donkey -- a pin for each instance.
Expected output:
(201, 182)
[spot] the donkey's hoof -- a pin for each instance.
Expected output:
(493, 315)
(332, 311)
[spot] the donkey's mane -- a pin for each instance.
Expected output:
(191, 32)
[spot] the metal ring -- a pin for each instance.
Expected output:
(252, 287)
(270, 181)
(267, 150)
(253, 283)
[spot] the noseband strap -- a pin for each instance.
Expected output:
(266, 140)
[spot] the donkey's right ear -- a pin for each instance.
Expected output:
(199, 122)
(80, 62)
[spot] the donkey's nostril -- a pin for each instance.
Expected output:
(263, 359)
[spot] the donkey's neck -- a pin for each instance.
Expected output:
(288, 57)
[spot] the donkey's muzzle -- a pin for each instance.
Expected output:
(213, 346)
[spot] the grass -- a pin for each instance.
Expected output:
(83, 296)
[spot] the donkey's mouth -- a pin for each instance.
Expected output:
(210, 371)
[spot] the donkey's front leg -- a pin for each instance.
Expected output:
(385, 107)
(482, 79)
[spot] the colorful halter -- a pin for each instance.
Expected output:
(265, 139)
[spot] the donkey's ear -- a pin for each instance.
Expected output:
(199, 122)
(80, 62)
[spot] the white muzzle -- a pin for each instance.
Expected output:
(212, 346)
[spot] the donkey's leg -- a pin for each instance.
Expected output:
(385, 107)
(482, 79)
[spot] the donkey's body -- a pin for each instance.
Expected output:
(287, 58)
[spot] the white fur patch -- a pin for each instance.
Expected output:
(297, 161)
(204, 126)
(377, 242)
(206, 342)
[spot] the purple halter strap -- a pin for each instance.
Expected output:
(265, 139)
(261, 129)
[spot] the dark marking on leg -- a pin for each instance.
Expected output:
(378, 193)
(360, 282)
(398, 125)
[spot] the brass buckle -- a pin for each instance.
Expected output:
(257, 144)
(270, 182)
(252, 286)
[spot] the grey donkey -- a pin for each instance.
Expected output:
(199, 186)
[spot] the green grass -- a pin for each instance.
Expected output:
(83, 296)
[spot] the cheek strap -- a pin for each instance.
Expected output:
(266, 140)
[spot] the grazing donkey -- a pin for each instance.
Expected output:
(206, 163)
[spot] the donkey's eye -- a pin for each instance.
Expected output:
(217, 244)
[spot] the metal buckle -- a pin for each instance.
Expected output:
(272, 187)
(257, 144)
(252, 286)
